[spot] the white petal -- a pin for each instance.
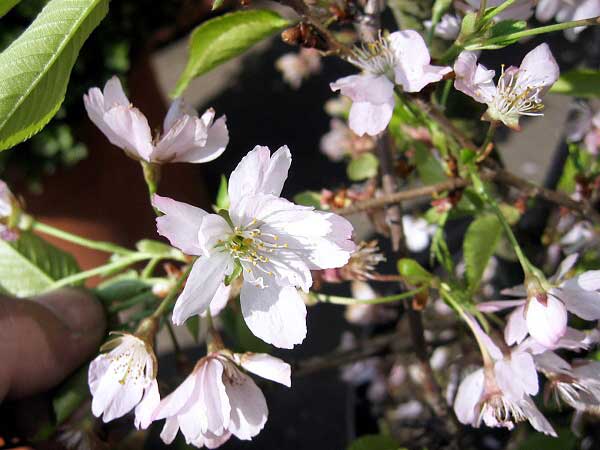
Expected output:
(552, 363)
(145, 409)
(536, 418)
(216, 142)
(170, 430)
(275, 314)
(585, 10)
(266, 366)
(370, 118)
(374, 89)
(130, 131)
(248, 407)
(180, 223)
(114, 94)
(215, 398)
(213, 229)
(180, 399)
(220, 300)
(474, 79)
(259, 173)
(205, 278)
(178, 109)
(539, 68)
(566, 265)
(585, 304)
(499, 305)
(590, 280)
(547, 9)
(409, 47)
(546, 323)
(516, 327)
(468, 396)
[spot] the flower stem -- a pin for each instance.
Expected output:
(324, 298)
(152, 178)
(149, 269)
(79, 240)
(170, 298)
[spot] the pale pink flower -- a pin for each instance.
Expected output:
(218, 400)
(519, 91)
(498, 394)
(401, 58)
(185, 136)
(273, 242)
(7, 202)
(447, 28)
(542, 312)
(592, 137)
(567, 10)
(519, 10)
(340, 141)
(124, 378)
(418, 232)
(296, 67)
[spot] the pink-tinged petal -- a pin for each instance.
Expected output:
(210, 441)
(98, 367)
(248, 407)
(144, 411)
(523, 366)
(130, 131)
(590, 280)
(178, 141)
(179, 400)
(577, 340)
(409, 47)
(546, 323)
(170, 430)
(205, 278)
(499, 305)
(266, 366)
(516, 327)
(483, 338)
(468, 396)
(215, 399)
(114, 400)
(180, 223)
(416, 80)
(547, 9)
(213, 229)
(370, 118)
(538, 69)
(275, 314)
(536, 418)
(206, 145)
(220, 300)
(474, 79)
(582, 303)
(375, 89)
(259, 173)
(565, 266)
(177, 111)
(114, 94)
(550, 362)
(585, 10)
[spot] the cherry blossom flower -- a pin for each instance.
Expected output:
(185, 136)
(296, 67)
(273, 242)
(7, 202)
(124, 378)
(519, 10)
(543, 313)
(585, 127)
(401, 58)
(340, 141)
(418, 232)
(218, 400)
(447, 28)
(519, 91)
(499, 393)
(567, 10)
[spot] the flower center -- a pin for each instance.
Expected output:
(502, 410)
(512, 99)
(129, 365)
(375, 57)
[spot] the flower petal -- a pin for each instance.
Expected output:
(213, 229)
(499, 305)
(114, 94)
(180, 223)
(585, 304)
(275, 314)
(468, 396)
(129, 130)
(474, 79)
(516, 327)
(170, 430)
(205, 278)
(248, 407)
(546, 323)
(146, 408)
(214, 397)
(265, 366)
(538, 69)
(370, 118)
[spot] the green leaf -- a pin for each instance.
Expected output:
(220, 39)
(505, 27)
(70, 395)
(157, 248)
(222, 201)
(428, 167)
(566, 440)
(374, 442)
(7, 5)
(413, 272)
(30, 265)
(119, 289)
(363, 167)
(579, 83)
(308, 198)
(35, 68)
(479, 245)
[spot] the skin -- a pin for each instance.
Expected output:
(43, 340)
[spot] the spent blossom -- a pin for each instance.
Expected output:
(124, 378)
(185, 137)
(296, 67)
(542, 312)
(519, 90)
(400, 58)
(567, 10)
(273, 243)
(218, 400)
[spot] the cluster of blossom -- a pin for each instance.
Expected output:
(272, 243)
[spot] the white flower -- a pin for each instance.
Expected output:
(185, 137)
(217, 399)
(401, 58)
(543, 314)
(296, 67)
(341, 141)
(123, 379)
(274, 242)
(7, 202)
(418, 232)
(519, 91)
(447, 28)
(499, 393)
(567, 10)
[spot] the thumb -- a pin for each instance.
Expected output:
(44, 339)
